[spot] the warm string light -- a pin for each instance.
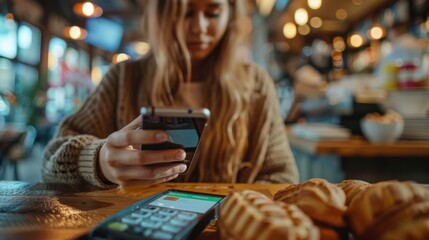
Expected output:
(289, 30)
(316, 22)
(87, 9)
(314, 4)
(303, 29)
(75, 32)
(341, 14)
(376, 33)
(301, 16)
(120, 57)
(355, 40)
(338, 44)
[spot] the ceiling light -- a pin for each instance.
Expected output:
(74, 32)
(376, 32)
(87, 9)
(314, 4)
(316, 22)
(289, 30)
(301, 16)
(341, 14)
(355, 40)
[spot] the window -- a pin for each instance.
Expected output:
(29, 43)
(7, 37)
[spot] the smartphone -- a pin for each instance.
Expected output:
(184, 127)
(171, 214)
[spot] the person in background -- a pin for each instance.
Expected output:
(191, 64)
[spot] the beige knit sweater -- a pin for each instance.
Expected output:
(71, 157)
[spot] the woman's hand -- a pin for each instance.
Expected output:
(122, 162)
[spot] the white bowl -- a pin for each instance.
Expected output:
(380, 132)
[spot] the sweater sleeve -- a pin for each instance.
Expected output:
(279, 164)
(71, 156)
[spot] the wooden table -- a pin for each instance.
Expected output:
(60, 211)
(357, 146)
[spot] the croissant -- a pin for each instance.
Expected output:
(409, 223)
(380, 201)
(320, 200)
(351, 188)
(252, 215)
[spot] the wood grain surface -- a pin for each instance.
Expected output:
(60, 211)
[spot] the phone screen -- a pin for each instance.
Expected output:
(183, 132)
(191, 202)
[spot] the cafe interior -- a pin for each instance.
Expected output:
(352, 80)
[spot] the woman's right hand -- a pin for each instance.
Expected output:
(122, 162)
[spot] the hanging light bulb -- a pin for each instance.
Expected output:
(314, 4)
(376, 32)
(301, 16)
(355, 40)
(74, 32)
(289, 30)
(87, 9)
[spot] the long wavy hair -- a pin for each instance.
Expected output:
(220, 157)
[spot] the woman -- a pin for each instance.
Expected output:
(192, 64)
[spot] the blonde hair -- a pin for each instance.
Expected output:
(225, 138)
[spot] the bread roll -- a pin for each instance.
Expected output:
(380, 201)
(411, 223)
(351, 188)
(251, 215)
(320, 200)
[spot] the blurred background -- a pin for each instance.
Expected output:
(333, 62)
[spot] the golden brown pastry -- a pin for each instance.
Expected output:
(411, 223)
(380, 201)
(351, 188)
(322, 201)
(251, 215)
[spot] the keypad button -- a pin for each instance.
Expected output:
(187, 215)
(141, 214)
(168, 212)
(151, 223)
(160, 217)
(162, 235)
(132, 219)
(180, 223)
(171, 228)
(149, 209)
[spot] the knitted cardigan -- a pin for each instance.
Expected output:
(72, 155)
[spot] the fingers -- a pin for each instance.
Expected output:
(138, 157)
(149, 174)
(124, 138)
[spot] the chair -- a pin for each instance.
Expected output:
(16, 142)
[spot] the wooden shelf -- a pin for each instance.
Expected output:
(357, 146)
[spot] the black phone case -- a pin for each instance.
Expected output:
(162, 146)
